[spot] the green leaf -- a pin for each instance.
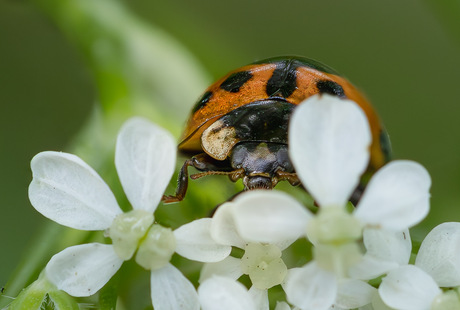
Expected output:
(43, 295)
(60, 300)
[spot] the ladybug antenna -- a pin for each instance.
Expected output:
(234, 175)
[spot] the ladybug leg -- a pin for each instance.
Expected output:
(201, 162)
(236, 174)
(357, 194)
(182, 184)
(291, 177)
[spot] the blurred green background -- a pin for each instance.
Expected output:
(403, 54)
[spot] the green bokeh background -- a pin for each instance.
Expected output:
(403, 54)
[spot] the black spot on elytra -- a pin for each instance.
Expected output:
(234, 82)
(283, 82)
(202, 101)
(330, 87)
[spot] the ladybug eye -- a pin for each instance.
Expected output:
(283, 160)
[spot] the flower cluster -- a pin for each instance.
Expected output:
(360, 257)
(68, 191)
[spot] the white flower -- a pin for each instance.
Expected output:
(283, 306)
(68, 191)
(263, 237)
(222, 293)
(439, 254)
(329, 141)
(385, 251)
(312, 287)
(437, 265)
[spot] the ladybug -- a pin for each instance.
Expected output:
(239, 125)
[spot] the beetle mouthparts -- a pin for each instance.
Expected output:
(258, 182)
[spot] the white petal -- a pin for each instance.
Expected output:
(408, 288)
(194, 242)
(370, 307)
(388, 245)
(269, 216)
(371, 267)
(219, 293)
(329, 141)
(439, 254)
(281, 305)
(223, 228)
(377, 304)
(228, 268)
(145, 158)
(397, 196)
(170, 290)
(310, 287)
(386, 250)
(82, 270)
(260, 298)
(68, 191)
(354, 294)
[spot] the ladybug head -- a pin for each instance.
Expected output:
(261, 163)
